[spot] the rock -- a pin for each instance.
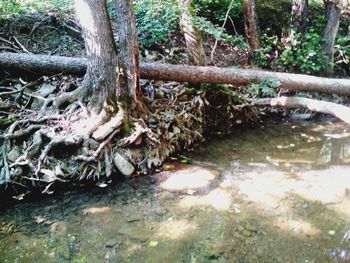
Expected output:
(123, 165)
(166, 195)
(246, 233)
(14, 154)
(45, 90)
(59, 228)
(18, 171)
(301, 116)
(133, 233)
(111, 243)
(37, 104)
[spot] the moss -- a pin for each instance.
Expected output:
(127, 126)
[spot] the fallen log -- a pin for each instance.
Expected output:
(182, 73)
(337, 110)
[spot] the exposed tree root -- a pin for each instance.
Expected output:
(54, 138)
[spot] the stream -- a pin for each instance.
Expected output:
(277, 193)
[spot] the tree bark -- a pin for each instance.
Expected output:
(182, 73)
(339, 111)
(193, 38)
(251, 24)
(100, 82)
(332, 14)
(300, 9)
(129, 70)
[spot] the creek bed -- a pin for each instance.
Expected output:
(278, 193)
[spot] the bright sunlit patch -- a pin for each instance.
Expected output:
(175, 229)
(269, 188)
(218, 198)
(96, 210)
(192, 177)
(338, 135)
(327, 185)
(296, 226)
(265, 187)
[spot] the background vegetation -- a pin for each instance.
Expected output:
(157, 23)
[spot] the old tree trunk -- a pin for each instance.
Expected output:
(251, 23)
(92, 124)
(182, 73)
(193, 38)
(333, 10)
(100, 83)
(300, 9)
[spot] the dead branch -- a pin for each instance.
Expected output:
(183, 73)
(338, 111)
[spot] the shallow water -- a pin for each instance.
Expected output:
(279, 193)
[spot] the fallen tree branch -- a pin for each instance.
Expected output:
(339, 111)
(182, 73)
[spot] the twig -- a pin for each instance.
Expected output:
(222, 28)
(233, 25)
(21, 133)
(22, 47)
(9, 48)
(8, 42)
(103, 144)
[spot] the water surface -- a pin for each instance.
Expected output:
(279, 193)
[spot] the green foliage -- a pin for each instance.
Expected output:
(215, 10)
(316, 16)
(274, 15)
(155, 20)
(111, 9)
(267, 53)
(17, 7)
(303, 53)
(219, 33)
(263, 89)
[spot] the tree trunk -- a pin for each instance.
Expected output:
(100, 82)
(339, 111)
(193, 38)
(182, 73)
(332, 14)
(129, 72)
(251, 23)
(300, 9)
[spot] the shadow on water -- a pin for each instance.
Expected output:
(280, 193)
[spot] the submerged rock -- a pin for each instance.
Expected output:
(123, 165)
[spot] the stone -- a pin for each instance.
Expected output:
(45, 90)
(111, 243)
(13, 154)
(123, 165)
(301, 116)
(18, 171)
(37, 104)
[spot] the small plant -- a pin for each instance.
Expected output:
(303, 53)
(17, 7)
(263, 89)
(268, 52)
(155, 20)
